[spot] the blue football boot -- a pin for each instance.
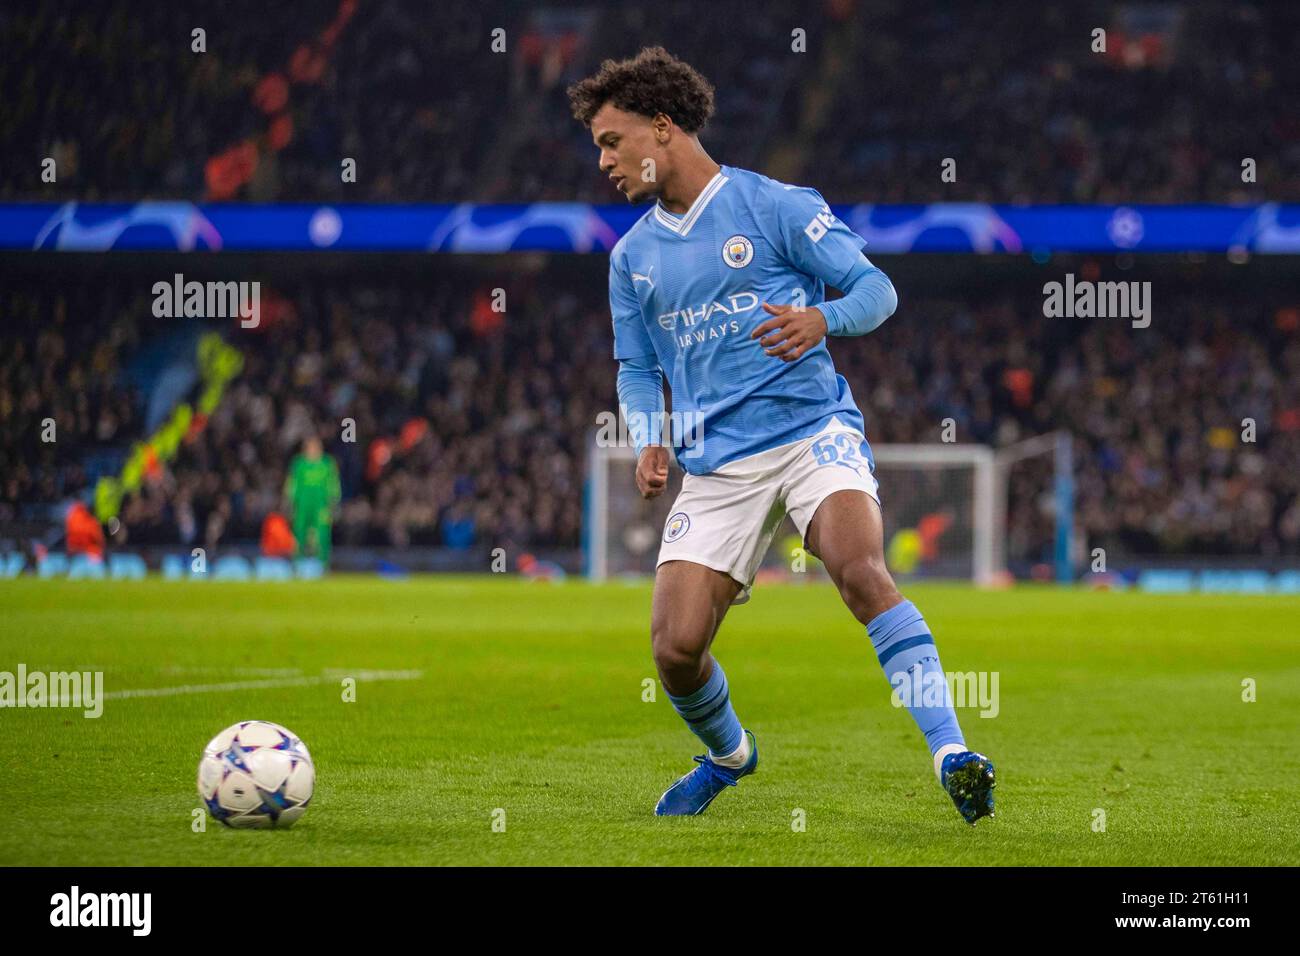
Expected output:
(692, 794)
(968, 778)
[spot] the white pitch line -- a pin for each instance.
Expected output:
(232, 671)
(260, 684)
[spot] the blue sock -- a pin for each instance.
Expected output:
(906, 651)
(709, 714)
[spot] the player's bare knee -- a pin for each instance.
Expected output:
(678, 656)
(868, 588)
(674, 657)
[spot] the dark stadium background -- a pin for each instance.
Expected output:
(473, 425)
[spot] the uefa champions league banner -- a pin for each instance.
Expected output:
(578, 227)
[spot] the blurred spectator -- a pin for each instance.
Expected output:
(277, 538)
(866, 110)
(83, 533)
(465, 439)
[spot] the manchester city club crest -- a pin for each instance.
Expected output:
(737, 252)
(677, 526)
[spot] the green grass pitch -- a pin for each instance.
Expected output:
(529, 700)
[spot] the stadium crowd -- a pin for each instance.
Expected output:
(471, 425)
(865, 102)
(63, 396)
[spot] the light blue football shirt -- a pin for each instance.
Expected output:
(688, 290)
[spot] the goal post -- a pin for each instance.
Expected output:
(1056, 508)
(945, 510)
(938, 492)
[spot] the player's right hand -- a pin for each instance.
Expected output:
(652, 471)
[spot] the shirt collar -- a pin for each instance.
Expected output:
(682, 224)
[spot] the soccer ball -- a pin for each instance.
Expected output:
(256, 774)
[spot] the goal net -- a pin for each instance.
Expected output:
(945, 512)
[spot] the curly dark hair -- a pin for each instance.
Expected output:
(652, 82)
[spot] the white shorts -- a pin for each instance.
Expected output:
(726, 520)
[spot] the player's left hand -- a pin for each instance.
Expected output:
(791, 331)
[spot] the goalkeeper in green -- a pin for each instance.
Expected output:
(312, 490)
